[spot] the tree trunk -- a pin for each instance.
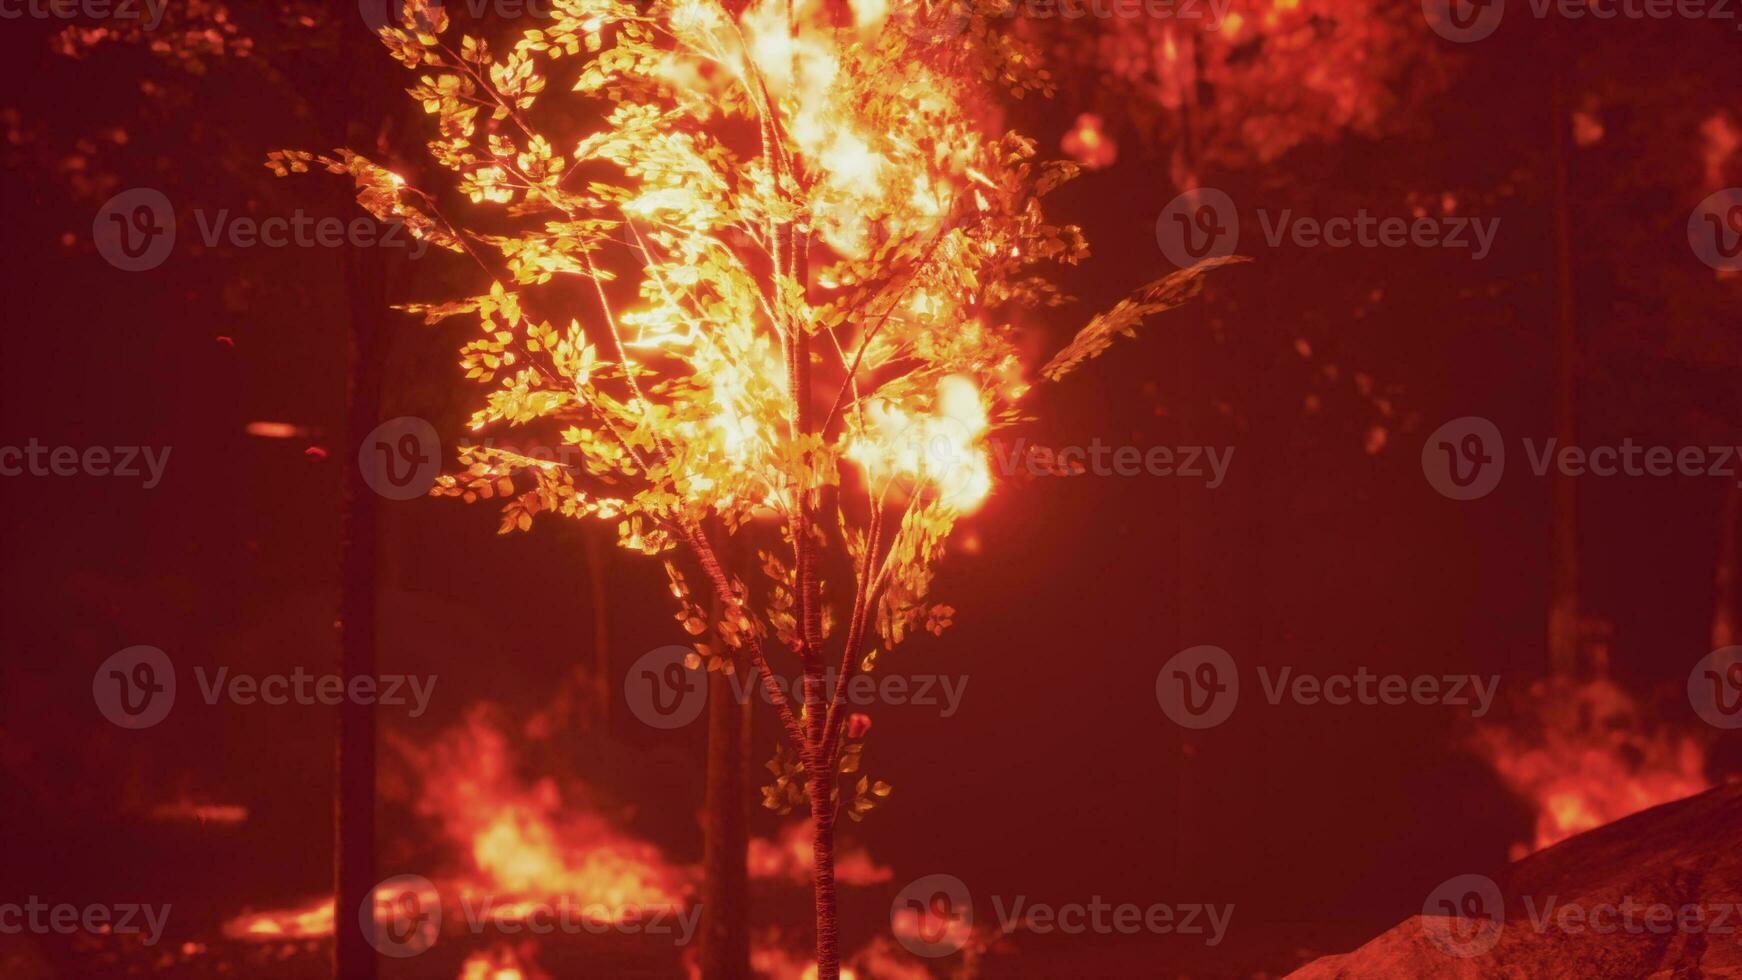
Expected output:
(1563, 613)
(823, 875)
(726, 845)
(597, 552)
(360, 116)
(1724, 619)
(354, 799)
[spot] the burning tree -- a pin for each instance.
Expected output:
(830, 246)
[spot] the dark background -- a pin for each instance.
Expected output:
(1060, 779)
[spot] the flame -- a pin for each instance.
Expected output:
(502, 963)
(789, 856)
(942, 451)
(865, 171)
(1583, 756)
(201, 813)
(1088, 143)
(310, 921)
(1721, 139)
(276, 430)
(776, 963)
(912, 923)
(883, 960)
(522, 846)
(524, 843)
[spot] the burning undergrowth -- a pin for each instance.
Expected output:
(506, 843)
(1584, 753)
(506, 846)
(529, 839)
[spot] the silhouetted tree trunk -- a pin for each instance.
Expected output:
(1724, 577)
(1191, 520)
(354, 805)
(360, 119)
(1563, 612)
(726, 824)
(598, 560)
(726, 880)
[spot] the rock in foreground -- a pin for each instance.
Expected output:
(1656, 895)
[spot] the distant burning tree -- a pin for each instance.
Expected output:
(828, 247)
